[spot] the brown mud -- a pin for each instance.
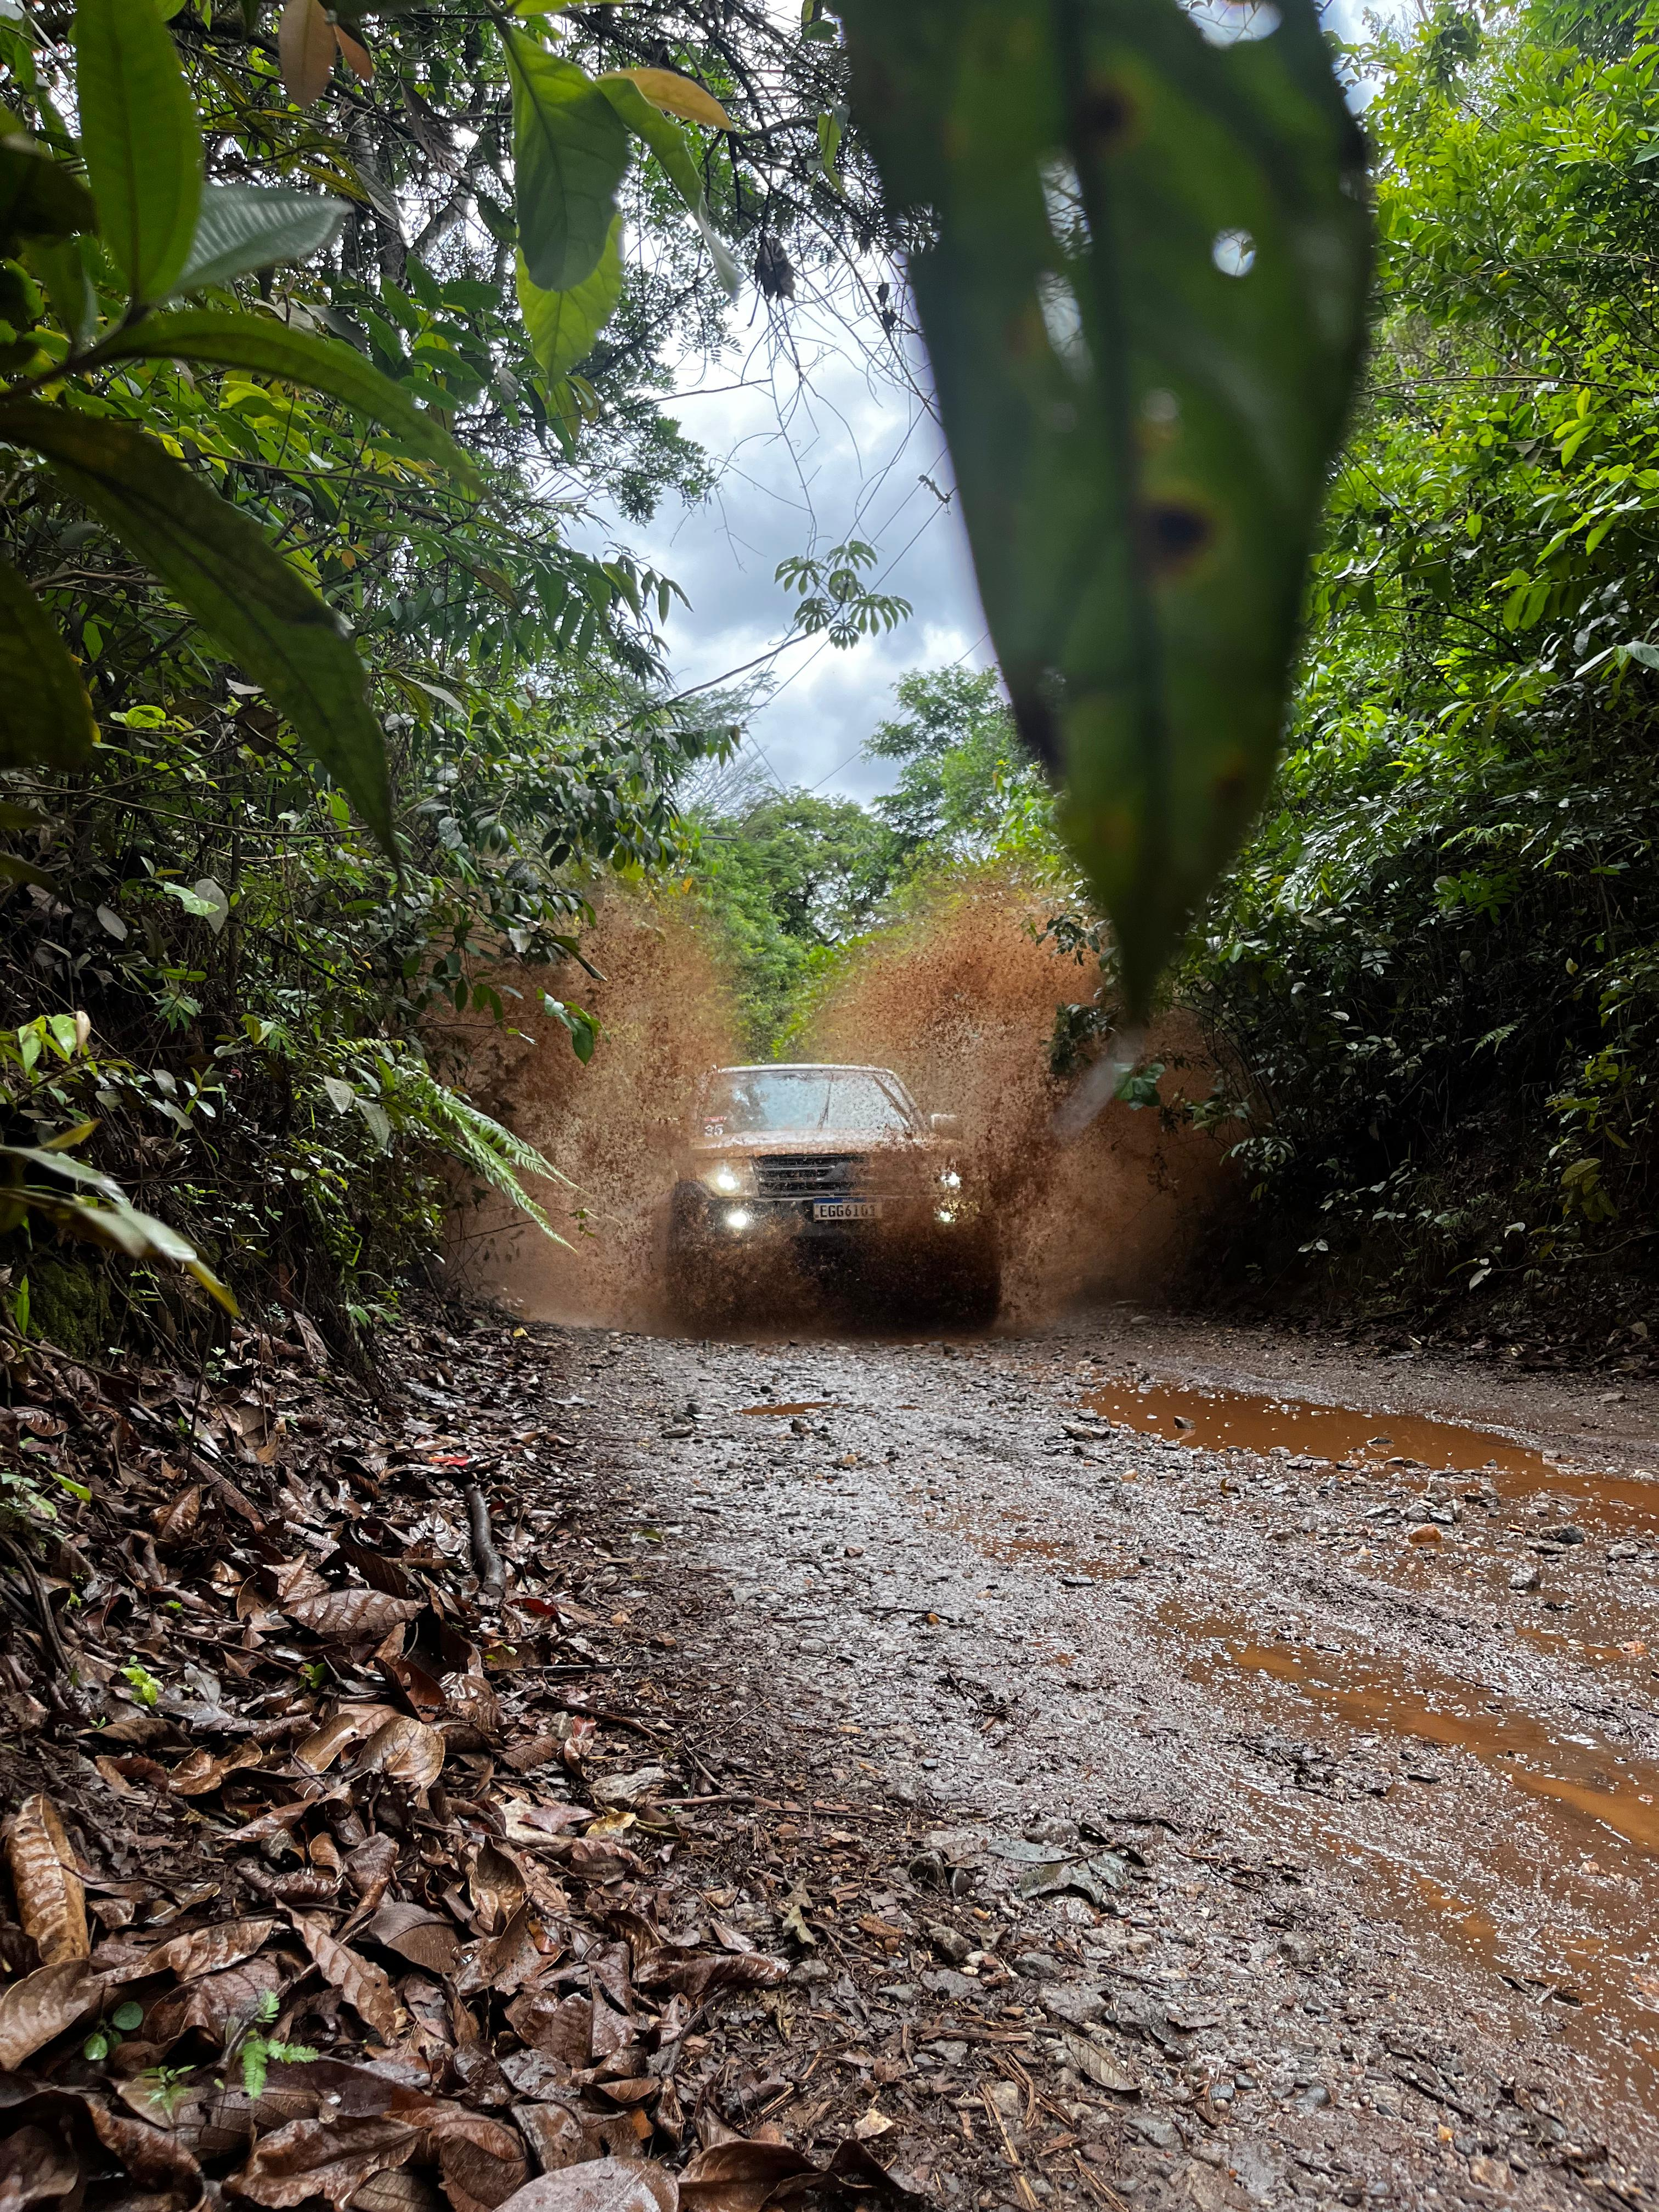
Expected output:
(1283, 1719)
(611, 1126)
(1322, 1438)
(960, 1002)
(1394, 1799)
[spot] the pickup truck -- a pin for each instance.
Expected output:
(836, 1171)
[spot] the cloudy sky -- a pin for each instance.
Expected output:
(816, 444)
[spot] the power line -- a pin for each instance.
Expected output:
(983, 638)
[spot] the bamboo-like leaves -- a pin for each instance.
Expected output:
(570, 155)
(1143, 303)
(45, 713)
(273, 349)
(563, 326)
(142, 141)
(219, 565)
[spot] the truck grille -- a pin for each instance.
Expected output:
(808, 1174)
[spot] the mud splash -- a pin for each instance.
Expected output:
(612, 1125)
(1350, 1441)
(959, 999)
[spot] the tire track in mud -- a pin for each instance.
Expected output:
(1401, 1854)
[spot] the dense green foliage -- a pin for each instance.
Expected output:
(1433, 978)
(303, 447)
(792, 880)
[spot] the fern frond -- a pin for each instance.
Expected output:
(480, 1142)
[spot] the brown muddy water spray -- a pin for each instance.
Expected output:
(959, 1001)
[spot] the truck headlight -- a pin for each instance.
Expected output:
(731, 1178)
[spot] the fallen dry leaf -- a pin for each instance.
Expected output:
(199, 1773)
(351, 1725)
(155, 2158)
(421, 1688)
(35, 2168)
(396, 2190)
(330, 2159)
(480, 2162)
(404, 1750)
(496, 1884)
(739, 2177)
(536, 1751)
(626, 1789)
(424, 1939)
(41, 2006)
(534, 1824)
(696, 1978)
(602, 2184)
(296, 1579)
(218, 2005)
(51, 1902)
(506, 1962)
(1099, 2065)
(555, 2134)
(369, 1869)
(207, 1950)
(363, 1986)
(348, 1616)
(471, 1696)
(175, 1524)
(559, 2028)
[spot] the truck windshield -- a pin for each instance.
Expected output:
(752, 1100)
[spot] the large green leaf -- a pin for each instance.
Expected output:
(64, 266)
(39, 197)
(218, 564)
(108, 1218)
(563, 326)
(141, 140)
(673, 148)
(247, 226)
(570, 155)
(273, 349)
(45, 713)
(1143, 300)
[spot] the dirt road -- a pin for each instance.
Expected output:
(1272, 1798)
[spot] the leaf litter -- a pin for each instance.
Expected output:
(335, 1874)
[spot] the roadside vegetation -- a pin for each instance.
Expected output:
(1430, 980)
(332, 686)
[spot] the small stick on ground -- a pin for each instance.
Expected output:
(1022, 2188)
(492, 1568)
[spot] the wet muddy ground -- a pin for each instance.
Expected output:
(1289, 1756)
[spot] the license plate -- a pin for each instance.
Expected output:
(846, 1209)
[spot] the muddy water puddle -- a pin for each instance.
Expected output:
(784, 1412)
(1492, 1893)
(1591, 1780)
(1368, 1443)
